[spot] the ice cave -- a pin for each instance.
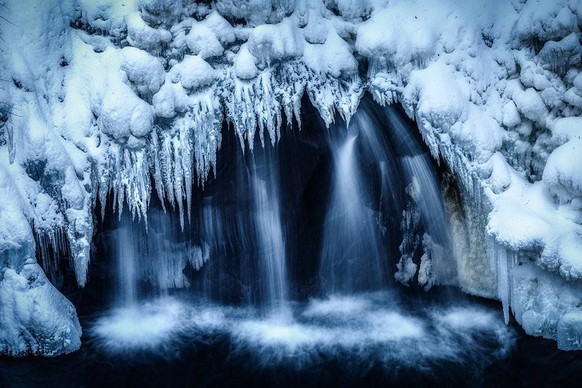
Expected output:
(290, 192)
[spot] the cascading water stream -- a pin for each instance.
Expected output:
(155, 257)
(149, 263)
(418, 168)
(352, 255)
(354, 247)
(425, 226)
(126, 265)
(269, 234)
(419, 172)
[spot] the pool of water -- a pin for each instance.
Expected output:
(363, 339)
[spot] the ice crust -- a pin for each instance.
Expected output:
(101, 97)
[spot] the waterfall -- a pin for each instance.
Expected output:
(269, 231)
(289, 253)
(238, 223)
(430, 233)
(430, 203)
(156, 256)
(125, 255)
(417, 165)
(357, 236)
(352, 254)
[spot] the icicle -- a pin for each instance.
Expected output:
(199, 256)
(178, 178)
(51, 245)
(186, 161)
(157, 171)
(257, 105)
(167, 167)
(502, 260)
(503, 282)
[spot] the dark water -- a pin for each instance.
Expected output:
(379, 339)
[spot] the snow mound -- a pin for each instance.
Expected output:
(562, 172)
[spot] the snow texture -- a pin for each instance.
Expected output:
(103, 96)
(34, 317)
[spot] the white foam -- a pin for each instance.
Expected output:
(336, 305)
(141, 326)
(276, 333)
(366, 326)
(466, 318)
(392, 326)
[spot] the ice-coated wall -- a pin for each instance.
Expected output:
(99, 96)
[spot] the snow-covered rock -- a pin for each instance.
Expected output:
(244, 65)
(141, 35)
(569, 329)
(193, 72)
(34, 317)
(124, 114)
(144, 71)
(562, 172)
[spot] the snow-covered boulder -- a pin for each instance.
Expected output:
(141, 35)
(562, 173)
(35, 319)
(124, 114)
(244, 65)
(570, 330)
(193, 72)
(144, 71)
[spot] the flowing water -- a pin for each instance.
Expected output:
(352, 255)
(283, 277)
(369, 168)
(126, 253)
(418, 169)
(269, 235)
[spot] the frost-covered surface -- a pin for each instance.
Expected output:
(34, 317)
(104, 94)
